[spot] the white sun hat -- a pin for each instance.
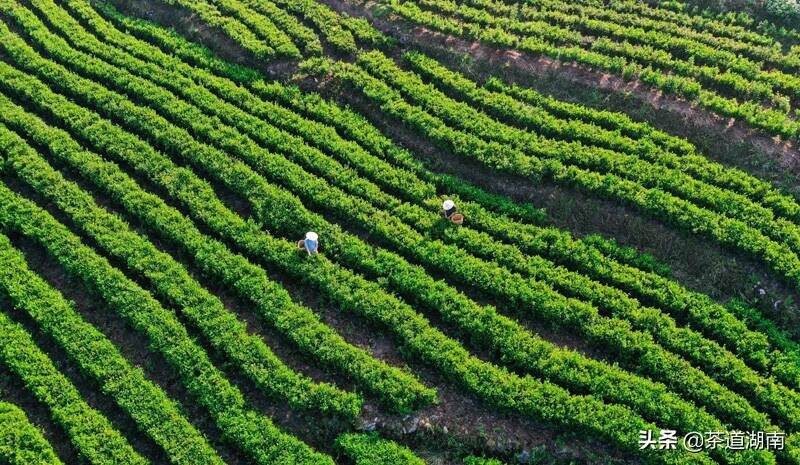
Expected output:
(448, 204)
(312, 236)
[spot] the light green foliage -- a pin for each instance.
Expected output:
(481, 461)
(169, 111)
(370, 449)
(143, 400)
(21, 443)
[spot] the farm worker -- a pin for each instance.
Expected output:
(311, 242)
(448, 208)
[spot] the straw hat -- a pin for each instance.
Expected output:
(312, 236)
(448, 204)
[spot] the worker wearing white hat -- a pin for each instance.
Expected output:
(311, 242)
(448, 208)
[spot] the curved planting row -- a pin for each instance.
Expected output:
(643, 48)
(230, 140)
(669, 335)
(542, 29)
(258, 23)
(483, 461)
(325, 170)
(538, 240)
(467, 144)
(154, 92)
(539, 151)
(506, 295)
(320, 135)
(280, 165)
(191, 51)
(287, 95)
(482, 205)
(237, 31)
(713, 359)
(436, 350)
(305, 37)
(251, 432)
(609, 120)
(719, 26)
(590, 22)
(340, 32)
(505, 106)
(518, 346)
(739, 26)
(399, 389)
(696, 165)
(273, 29)
(504, 158)
(625, 60)
(557, 245)
(370, 449)
(21, 442)
(425, 221)
(146, 403)
(788, 359)
(168, 277)
(208, 313)
(702, 312)
(327, 137)
(94, 437)
(733, 68)
(765, 55)
(717, 32)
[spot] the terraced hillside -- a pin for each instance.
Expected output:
(724, 67)
(157, 307)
